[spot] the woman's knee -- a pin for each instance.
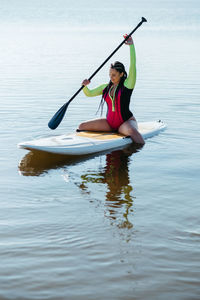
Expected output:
(128, 130)
(132, 131)
(82, 126)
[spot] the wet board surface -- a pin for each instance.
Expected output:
(87, 142)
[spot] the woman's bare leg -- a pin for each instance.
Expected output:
(96, 125)
(129, 128)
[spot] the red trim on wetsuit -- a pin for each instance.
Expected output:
(121, 111)
(114, 118)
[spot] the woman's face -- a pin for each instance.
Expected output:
(115, 76)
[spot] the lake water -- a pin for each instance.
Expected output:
(122, 225)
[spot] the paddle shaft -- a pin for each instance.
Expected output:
(99, 68)
(57, 118)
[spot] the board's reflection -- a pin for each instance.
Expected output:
(37, 163)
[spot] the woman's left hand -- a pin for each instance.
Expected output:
(129, 41)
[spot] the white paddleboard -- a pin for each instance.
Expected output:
(87, 142)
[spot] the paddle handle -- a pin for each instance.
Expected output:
(143, 20)
(99, 68)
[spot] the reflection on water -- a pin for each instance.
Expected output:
(114, 176)
(37, 163)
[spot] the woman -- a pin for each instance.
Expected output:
(117, 95)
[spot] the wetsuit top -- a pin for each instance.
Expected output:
(118, 105)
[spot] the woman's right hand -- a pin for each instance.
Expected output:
(85, 82)
(129, 41)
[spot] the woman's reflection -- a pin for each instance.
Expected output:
(115, 175)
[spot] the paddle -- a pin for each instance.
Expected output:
(57, 118)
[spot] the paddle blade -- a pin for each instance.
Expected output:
(57, 118)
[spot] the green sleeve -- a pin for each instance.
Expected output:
(95, 92)
(131, 79)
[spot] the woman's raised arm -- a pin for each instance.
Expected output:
(131, 79)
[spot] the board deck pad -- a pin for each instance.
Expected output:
(87, 142)
(100, 135)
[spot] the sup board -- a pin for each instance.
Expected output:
(87, 142)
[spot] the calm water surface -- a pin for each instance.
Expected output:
(121, 225)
